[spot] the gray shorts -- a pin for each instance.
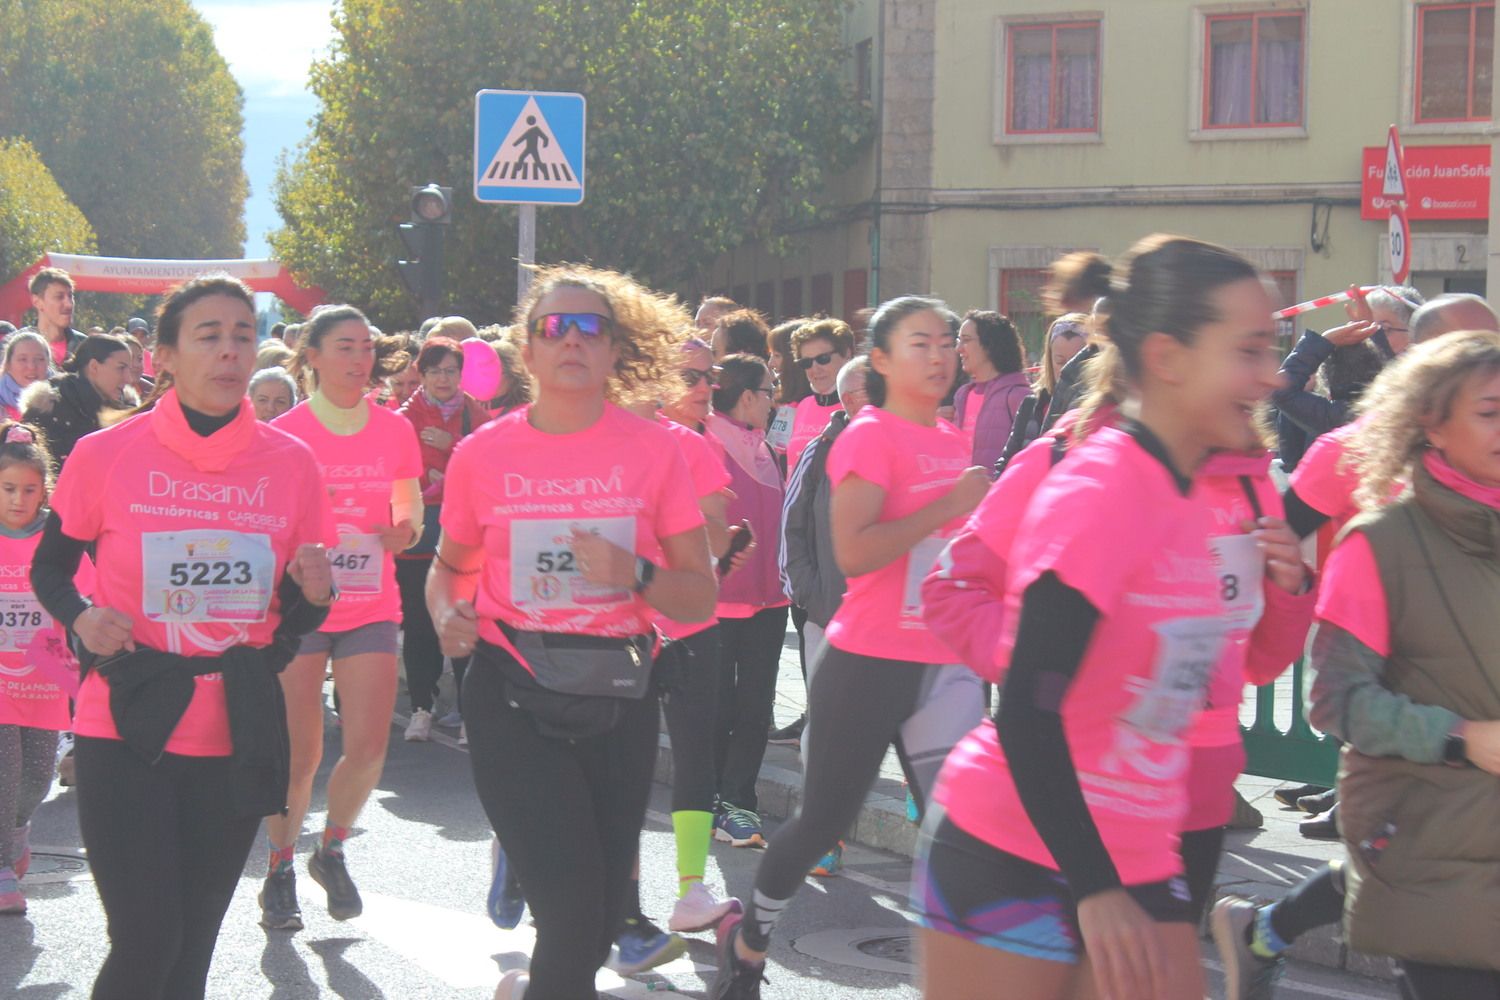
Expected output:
(376, 637)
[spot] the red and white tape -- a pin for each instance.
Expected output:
(1327, 300)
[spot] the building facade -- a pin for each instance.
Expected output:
(1011, 131)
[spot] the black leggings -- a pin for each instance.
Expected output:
(691, 709)
(569, 815)
(1420, 981)
(1200, 850)
(748, 665)
(419, 642)
(167, 850)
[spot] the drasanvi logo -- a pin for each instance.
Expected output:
(517, 485)
(160, 485)
(356, 471)
(938, 463)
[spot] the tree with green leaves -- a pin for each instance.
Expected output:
(711, 124)
(134, 111)
(35, 214)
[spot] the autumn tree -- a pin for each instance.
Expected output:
(711, 123)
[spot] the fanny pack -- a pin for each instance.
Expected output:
(578, 684)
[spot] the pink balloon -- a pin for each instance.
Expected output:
(483, 372)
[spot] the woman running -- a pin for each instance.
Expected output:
(1052, 862)
(442, 415)
(211, 566)
(901, 485)
(1407, 654)
(371, 460)
(26, 357)
(38, 673)
(551, 574)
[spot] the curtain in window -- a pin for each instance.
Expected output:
(1279, 89)
(1077, 78)
(1031, 81)
(1229, 87)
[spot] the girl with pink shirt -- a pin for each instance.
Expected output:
(38, 673)
(371, 462)
(26, 362)
(211, 566)
(901, 485)
(569, 525)
(1052, 863)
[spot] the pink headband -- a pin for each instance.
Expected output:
(19, 434)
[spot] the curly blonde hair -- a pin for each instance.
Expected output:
(1415, 393)
(648, 327)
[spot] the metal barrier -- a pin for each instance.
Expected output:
(1300, 753)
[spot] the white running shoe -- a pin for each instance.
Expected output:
(512, 985)
(698, 910)
(419, 729)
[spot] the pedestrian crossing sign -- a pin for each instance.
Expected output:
(529, 147)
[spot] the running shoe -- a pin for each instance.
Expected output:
(67, 772)
(505, 905)
(512, 985)
(451, 721)
(1317, 805)
(699, 910)
(642, 945)
(789, 735)
(278, 902)
(1247, 976)
(738, 827)
(11, 900)
(831, 863)
(735, 980)
(1289, 796)
(328, 871)
(913, 815)
(1324, 827)
(419, 728)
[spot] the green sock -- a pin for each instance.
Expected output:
(693, 830)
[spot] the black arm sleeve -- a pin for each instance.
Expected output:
(1304, 520)
(1056, 626)
(52, 569)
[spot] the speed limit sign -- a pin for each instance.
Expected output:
(1400, 246)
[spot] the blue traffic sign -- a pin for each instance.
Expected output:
(529, 147)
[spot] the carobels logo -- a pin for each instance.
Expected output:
(517, 485)
(162, 485)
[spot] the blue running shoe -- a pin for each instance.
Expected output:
(642, 945)
(506, 905)
(831, 863)
(738, 827)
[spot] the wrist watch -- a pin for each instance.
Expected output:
(645, 572)
(1456, 751)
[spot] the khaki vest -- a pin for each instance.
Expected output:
(1424, 839)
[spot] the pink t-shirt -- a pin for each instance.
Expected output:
(1325, 481)
(360, 470)
(1112, 523)
(521, 494)
(808, 422)
(1352, 597)
(710, 476)
(38, 673)
(194, 558)
(881, 615)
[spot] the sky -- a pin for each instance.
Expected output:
(269, 45)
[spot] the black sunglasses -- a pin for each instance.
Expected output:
(818, 359)
(692, 376)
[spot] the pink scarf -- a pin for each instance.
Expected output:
(206, 454)
(1458, 482)
(747, 447)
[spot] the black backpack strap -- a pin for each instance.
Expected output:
(1059, 448)
(1248, 485)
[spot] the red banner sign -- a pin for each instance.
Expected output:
(1442, 182)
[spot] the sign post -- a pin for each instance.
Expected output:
(528, 151)
(1393, 188)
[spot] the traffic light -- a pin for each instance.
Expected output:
(422, 270)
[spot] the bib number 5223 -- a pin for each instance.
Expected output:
(209, 574)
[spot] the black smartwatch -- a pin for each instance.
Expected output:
(1456, 751)
(645, 572)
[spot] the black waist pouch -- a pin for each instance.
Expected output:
(578, 684)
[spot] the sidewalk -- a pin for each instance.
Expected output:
(1262, 864)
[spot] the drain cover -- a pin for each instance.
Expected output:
(896, 948)
(47, 868)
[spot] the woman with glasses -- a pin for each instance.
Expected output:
(442, 414)
(551, 575)
(821, 348)
(752, 607)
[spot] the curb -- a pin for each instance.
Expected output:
(883, 825)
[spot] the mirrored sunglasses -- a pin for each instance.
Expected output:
(555, 326)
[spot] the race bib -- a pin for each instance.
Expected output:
(207, 576)
(544, 573)
(1187, 651)
(21, 618)
(918, 565)
(358, 564)
(780, 434)
(1242, 571)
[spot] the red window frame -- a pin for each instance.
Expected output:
(791, 298)
(1031, 320)
(1255, 18)
(1473, 7)
(1010, 76)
